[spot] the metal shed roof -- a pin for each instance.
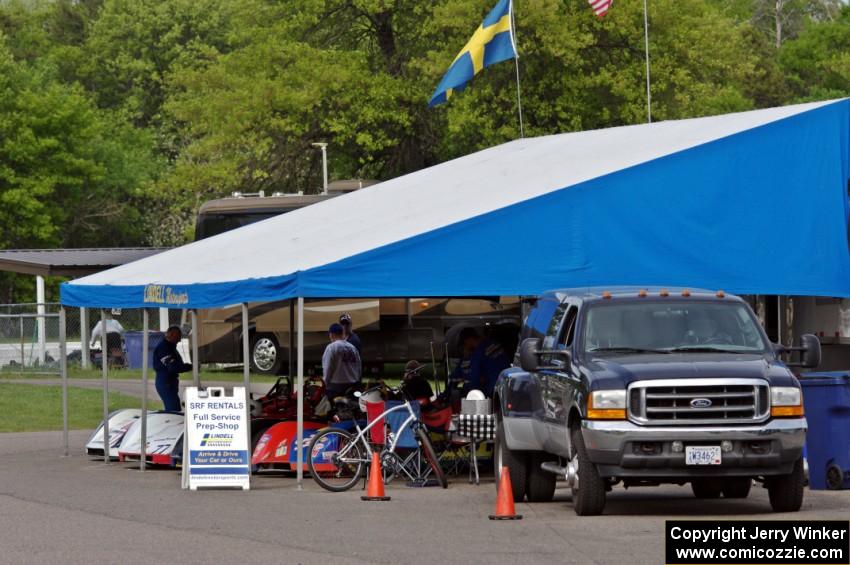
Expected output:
(71, 262)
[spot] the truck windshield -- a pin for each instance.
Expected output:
(672, 325)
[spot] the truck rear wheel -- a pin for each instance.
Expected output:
(589, 494)
(786, 491)
(737, 487)
(541, 484)
(706, 488)
(515, 461)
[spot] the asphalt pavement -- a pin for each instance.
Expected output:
(56, 509)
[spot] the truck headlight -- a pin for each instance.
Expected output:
(786, 401)
(606, 405)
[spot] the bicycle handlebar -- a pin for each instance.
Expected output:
(382, 386)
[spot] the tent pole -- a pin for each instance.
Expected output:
(291, 338)
(145, 354)
(84, 337)
(196, 366)
(300, 389)
(63, 368)
(104, 355)
(246, 377)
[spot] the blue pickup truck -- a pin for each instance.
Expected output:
(651, 386)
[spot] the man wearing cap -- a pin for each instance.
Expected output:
(340, 363)
(350, 336)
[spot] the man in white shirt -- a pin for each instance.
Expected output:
(112, 326)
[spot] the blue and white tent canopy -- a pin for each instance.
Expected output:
(754, 202)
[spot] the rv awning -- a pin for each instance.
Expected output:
(70, 262)
(754, 202)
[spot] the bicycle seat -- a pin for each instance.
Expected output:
(343, 402)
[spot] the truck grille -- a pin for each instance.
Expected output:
(699, 401)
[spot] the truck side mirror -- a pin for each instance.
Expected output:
(809, 352)
(529, 354)
(810, 355)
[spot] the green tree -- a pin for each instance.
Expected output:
(70, 175)
(134, 43)
(817, 63)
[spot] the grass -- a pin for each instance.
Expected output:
(136, 374)
(28, 408)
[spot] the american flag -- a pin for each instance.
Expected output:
(600, 7)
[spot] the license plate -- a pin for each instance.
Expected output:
(709, 455)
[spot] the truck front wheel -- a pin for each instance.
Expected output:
(515, 461)
(589, 493)
(786, 491)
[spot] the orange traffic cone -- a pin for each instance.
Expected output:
(505, 499)
(375, 489)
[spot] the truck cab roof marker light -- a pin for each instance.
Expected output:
(720, 294)
(642, 293)
(664, 293)
(686, 293)
(606, 295)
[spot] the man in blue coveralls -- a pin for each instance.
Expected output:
(482, 361)
(168, 365)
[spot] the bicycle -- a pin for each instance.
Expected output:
(337, 457)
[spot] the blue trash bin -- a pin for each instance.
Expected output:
(133, 345)
(826, 397)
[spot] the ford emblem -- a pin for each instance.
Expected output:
(700, 403)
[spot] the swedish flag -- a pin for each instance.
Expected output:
(493, 42)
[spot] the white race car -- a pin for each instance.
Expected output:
(164, 444)
(119, 422)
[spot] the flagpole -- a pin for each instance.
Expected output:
(516, 66)
(646, 44)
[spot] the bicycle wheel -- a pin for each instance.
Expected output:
(431, 456)
(332, 472)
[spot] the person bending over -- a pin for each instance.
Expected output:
(168, 365)
(482, 360)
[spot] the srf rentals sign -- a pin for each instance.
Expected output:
(215, 452)
(162, 294)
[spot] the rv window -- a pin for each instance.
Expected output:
(214, 224)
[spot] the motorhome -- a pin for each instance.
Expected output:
(393, 330)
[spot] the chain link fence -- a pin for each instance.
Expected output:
(29, 337)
